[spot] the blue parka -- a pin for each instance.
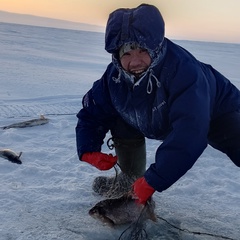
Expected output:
(175, 100)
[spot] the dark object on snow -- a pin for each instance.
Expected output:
(121, 210)
(30, 123)
(11, 156)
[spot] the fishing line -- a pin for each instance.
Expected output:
(134, 234)
(132, 178)
(136, 228)
(195, 233)
(114, 186)
(116, 176)
(60, 114)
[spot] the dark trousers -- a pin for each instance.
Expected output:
(224, 135)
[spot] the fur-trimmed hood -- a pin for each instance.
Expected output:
(143, 25)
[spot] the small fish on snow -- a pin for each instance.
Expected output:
(11, 156)
(30, 123)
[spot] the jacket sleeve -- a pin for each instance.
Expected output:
(94, 119)
(189, 115)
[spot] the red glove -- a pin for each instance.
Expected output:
(142, 190)
(100, 160)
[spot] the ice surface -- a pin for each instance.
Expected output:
(47, 71)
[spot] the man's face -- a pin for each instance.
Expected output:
(136, 61)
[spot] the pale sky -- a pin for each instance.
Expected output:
(214, 20)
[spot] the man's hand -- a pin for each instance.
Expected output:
(142, 190)
(100, 160)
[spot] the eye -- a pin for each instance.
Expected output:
(126, 54)
(143, 50)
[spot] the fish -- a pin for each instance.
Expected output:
(11, 156)
(30, 123)
(122, 210)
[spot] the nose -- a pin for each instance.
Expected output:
(135, 61)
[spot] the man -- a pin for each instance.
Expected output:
(156, 89)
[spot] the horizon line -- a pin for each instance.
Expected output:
(82, 26)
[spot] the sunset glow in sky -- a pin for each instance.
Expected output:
(215, 20)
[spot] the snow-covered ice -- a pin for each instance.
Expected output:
(47, 71)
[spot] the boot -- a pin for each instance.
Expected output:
(131, 155)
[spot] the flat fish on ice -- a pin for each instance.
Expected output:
(121, 210)
(30, 123)
(11, 156)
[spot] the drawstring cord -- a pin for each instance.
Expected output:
(132, 79)
(150, 84)
(117, 80)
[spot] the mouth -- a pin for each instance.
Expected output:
(137, 73)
